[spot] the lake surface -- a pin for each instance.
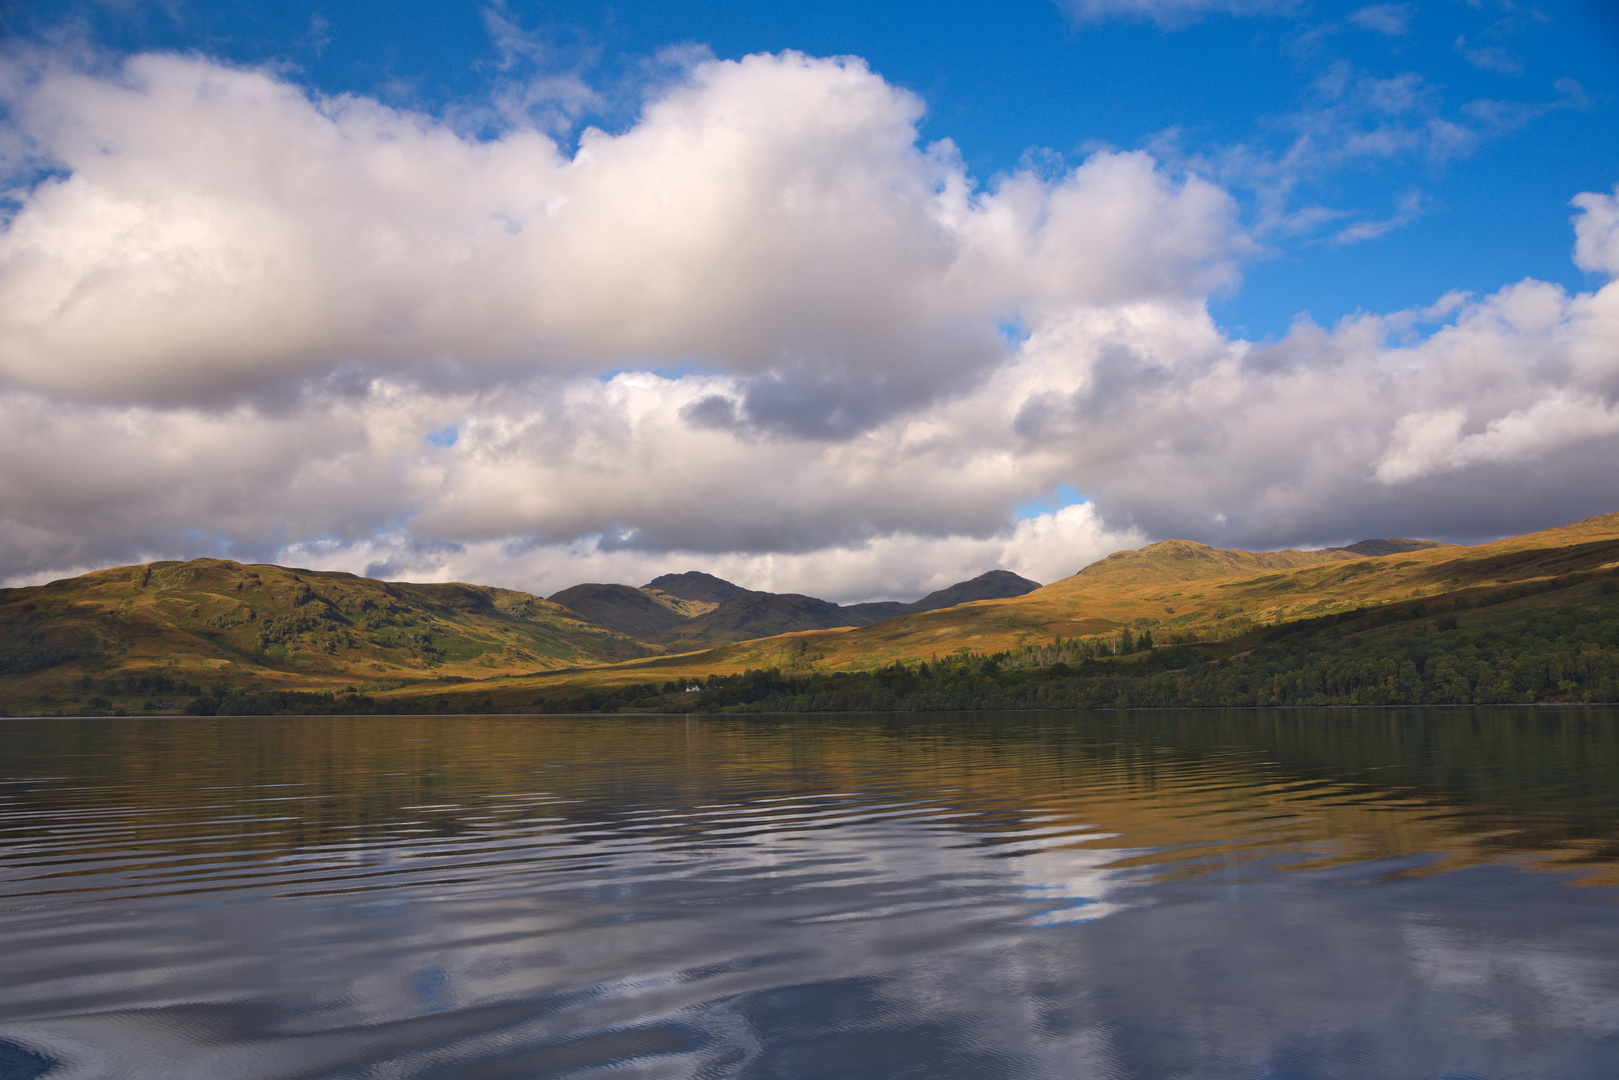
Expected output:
(1259, 894)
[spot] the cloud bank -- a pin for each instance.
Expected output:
(763, 331)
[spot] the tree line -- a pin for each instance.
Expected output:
(1416, 655)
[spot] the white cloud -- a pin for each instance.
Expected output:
(1425, 443)
(1420, 443)
(1349, 120)
(216, 233)
(1170, 427)
(1391, 19)
(1596, 232)
(1490, 57)
(1175, 14)
(898, 566)
(760, 333)
(1409, 209)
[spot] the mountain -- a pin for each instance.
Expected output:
(696, 585)
(995, 585)
(118, 638)
(636, 612)
(214, 620)
(1187, 560)
(1390, 547)
(874, 611)
(694, 610)
(756, 615)
(1180, 591)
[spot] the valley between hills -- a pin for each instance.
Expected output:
(1527, 618)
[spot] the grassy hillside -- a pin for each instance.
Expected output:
(1281, 627)
(639, 613)
(138, 633)
(1551, 636)
(1182, 592)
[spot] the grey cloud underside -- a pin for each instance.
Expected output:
(1465, 508)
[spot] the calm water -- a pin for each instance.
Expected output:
(1388, 893)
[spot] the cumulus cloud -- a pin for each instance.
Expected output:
(761, 332)
(214, 233)
(1596, 232)
(1169, 426)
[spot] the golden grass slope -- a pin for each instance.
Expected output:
(212, 619)
(217, 622)
(1183, 591)
(1177, 589)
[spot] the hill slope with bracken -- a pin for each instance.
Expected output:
(1177, 591)
(1180, 591)
(639, 613)
(107, 639)
(198, 622)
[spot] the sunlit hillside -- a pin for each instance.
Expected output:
(1181, 591)
(161, 626)
(158, 637)
(1177, 591)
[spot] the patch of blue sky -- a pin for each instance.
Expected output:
(221, 544)
(618, 538)
(444, 437)
(672, 372)
(1013, 332)
(1061, 496)
(1381, 154)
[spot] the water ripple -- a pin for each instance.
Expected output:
(984, 897)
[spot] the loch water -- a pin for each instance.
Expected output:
(1391, 893)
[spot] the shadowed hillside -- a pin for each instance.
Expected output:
(696, 585)
(995, 585)
(635, 612)
(756, 615)
(683, 612)
(748, 615)
(1389, 547)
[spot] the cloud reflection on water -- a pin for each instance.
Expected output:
(849, 899)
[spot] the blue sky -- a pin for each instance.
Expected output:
(842, 298)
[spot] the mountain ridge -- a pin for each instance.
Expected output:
(696, 609)
(102, 640)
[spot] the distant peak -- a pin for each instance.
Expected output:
(993, 585)
(696, 585)
(1394, 546)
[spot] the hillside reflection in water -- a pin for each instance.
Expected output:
(1391, 893)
